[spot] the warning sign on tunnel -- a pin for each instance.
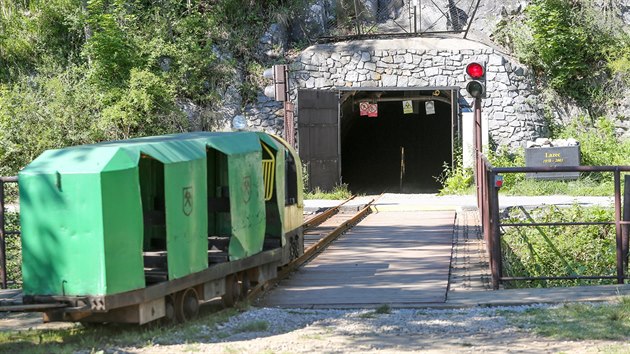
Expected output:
(363, 108)
(407, 107)
(368, 109)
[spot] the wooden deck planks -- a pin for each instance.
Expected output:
(390, 257)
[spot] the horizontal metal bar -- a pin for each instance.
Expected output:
(559, 223)
(561, 169)
(402, 98)
(381, 35)
(568, 277)
(10, 179)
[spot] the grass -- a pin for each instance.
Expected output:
(587, 250)
(108, 336)
(579, 321)
(253, 326)
(340, 192)
(581, 187)
(381, 310)
(584, 186)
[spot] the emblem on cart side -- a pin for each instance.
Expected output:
(187, 206)
(247, 188)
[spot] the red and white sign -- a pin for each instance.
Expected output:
(363, 108)
(373, 110)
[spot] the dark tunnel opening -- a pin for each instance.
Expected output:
(374, 149)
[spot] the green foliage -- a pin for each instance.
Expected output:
(110, 49)
(36, 33)
(43, 113)
(13, 248)
(102, 338)
(146, 107)
(456, 179)
(253, 326)
(53, 112)
(584, 186)
(574, 45)
(599, 144)
(340, 192)
(384, 309)
(618, 59)
(503, 157)
(579, 321)
(82, 71)
(586, 250)
(565, 46)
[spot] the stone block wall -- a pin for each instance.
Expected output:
(511, 106)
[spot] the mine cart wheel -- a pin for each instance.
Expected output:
(246, 285)
(169, 310)
(186, 304)
(232, 291)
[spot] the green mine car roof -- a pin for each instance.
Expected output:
(173, 148)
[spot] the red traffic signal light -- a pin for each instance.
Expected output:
(477, 86)
(475, 70)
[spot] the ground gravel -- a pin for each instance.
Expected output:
(270, 330)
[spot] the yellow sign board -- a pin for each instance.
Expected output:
(407, 107)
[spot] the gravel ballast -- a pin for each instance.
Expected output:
(270, 330)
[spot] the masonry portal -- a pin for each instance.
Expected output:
(396, 151)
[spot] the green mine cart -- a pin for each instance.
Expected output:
(135, 230)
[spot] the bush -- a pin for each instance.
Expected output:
(599, 144)
(504, 157)
(340, 192)
(578, 48)
(44, 113)
(147, 107)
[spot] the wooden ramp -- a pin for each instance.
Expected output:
(396, 258)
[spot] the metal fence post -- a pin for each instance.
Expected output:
(618, 232)
(496, 230)
(3, 259)
(625, 228)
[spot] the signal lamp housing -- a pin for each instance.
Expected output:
(477, 86)
(277, 91)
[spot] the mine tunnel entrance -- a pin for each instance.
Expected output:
(379, 140)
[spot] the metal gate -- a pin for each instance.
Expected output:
(318, 135)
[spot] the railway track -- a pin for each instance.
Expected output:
(319, 231)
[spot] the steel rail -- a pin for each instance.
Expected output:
(310, 252)
(320, 218)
